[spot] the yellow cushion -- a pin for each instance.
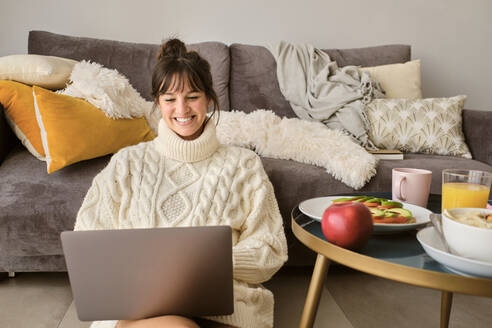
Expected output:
(18, 103)
(45, 71)
(398, 80)
(74, 130)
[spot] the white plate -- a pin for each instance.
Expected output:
(315, 207)
(429, 239)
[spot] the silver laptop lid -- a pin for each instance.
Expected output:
(140, 273)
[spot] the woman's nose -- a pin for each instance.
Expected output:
(181, 106)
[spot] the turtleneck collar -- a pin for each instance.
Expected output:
(173, 146)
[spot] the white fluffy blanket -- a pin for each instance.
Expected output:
(263, 131)
(302, 141)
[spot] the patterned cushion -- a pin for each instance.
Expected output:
(431, 125)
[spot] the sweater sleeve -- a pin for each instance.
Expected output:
(100, 207)
(261, 248)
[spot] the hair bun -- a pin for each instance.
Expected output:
(172, 48)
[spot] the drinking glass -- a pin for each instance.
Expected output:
(465, 188)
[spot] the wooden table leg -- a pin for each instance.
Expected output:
(446, 302)
(314, 292)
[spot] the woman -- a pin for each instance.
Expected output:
(184, 177)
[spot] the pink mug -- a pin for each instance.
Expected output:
(411, 185)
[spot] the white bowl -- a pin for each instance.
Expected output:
(467, 240)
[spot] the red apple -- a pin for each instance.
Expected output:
(348, 225)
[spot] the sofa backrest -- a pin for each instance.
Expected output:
(134, 60)
(254, 83)
(244, 76)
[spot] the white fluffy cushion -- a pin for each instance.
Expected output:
(45, 71)
(110, 91)
(398, 80)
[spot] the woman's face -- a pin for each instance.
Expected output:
(184, 111)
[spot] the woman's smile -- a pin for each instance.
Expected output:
(184, 120)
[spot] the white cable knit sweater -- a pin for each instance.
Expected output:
(171, 182)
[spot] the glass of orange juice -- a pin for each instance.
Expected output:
(465, 188)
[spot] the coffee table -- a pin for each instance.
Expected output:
(398, 257)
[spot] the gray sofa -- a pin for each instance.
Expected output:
(35, 207)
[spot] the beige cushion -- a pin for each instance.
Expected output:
(45, 71)
(432, 125)
(398, 80)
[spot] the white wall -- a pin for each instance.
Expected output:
(451, 37)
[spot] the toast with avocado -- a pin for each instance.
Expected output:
(382, 210)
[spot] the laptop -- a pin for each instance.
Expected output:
(134, 274)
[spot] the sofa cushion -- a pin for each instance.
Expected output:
(36, 206)
(74, 130)
(398, 80)
(49, 72)
(254, 83)
(134, 60)
(430, 125)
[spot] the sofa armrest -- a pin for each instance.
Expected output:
(477, 128)
(6, 136)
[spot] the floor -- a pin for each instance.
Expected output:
(350, 299)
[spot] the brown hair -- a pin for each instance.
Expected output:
(175, 66)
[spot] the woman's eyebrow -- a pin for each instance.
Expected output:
(171, 93)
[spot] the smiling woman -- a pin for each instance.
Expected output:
(185, 177)
(182, 89)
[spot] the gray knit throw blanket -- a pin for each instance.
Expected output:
(318, 90)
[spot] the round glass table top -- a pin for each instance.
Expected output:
(400, 248)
